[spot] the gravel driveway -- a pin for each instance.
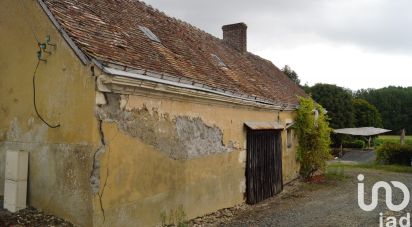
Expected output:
(328, 204)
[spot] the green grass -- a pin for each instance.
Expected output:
(393, 139)
(389, 168)
(335, 173)
(385, 137)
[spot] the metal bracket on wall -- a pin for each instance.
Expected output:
(43, 49)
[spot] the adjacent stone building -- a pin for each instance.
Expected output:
(128, 113)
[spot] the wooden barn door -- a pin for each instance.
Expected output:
(263, 165)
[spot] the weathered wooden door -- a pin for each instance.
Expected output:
(263, 165)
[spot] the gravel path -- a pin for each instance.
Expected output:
(328, 204)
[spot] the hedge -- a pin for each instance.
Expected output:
(354, 144)
(394, 153)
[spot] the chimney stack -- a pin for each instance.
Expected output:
(235, 35)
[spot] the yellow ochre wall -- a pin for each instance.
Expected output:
(137, 181)
(60, 159)
(140, 182)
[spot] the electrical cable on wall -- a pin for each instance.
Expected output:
(42, 48)
(34, 98)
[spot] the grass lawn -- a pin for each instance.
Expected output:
(394, 139)
(390, 168)
(386, 137)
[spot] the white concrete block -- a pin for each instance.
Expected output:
(15, 195)
(17, 165)
(12, 208)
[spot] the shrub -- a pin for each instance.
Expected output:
(314, 137)
(354, 144)
(394, 153)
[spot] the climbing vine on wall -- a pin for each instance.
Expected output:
(313, 132)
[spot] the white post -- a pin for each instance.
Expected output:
(369, 142)
(402, 136)
(15, 187)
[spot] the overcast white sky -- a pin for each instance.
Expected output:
(351, 43)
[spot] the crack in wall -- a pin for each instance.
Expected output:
(101, 195)
(95, 174)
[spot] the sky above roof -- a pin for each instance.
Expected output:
(353, 43)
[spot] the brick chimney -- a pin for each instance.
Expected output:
(235, 35)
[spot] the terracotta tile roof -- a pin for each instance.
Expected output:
(109, 30)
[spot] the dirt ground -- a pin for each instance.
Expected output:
(29, 217)
(333, 203)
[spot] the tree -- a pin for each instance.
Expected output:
(394, 105)
(313, 134)
(337, 101)
(306, 88)
(366, 114)
(291, 74)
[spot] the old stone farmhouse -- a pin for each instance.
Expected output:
(128, 113)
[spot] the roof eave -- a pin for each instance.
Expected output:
(188, 85)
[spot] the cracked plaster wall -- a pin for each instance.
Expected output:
(162, 153)
(162, 160)
(60, 159)
(179, 138)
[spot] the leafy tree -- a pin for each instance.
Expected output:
(337, 101)
(366, 114)
(306, 88)
(394, 105)
(313, 133)
(291, 74)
